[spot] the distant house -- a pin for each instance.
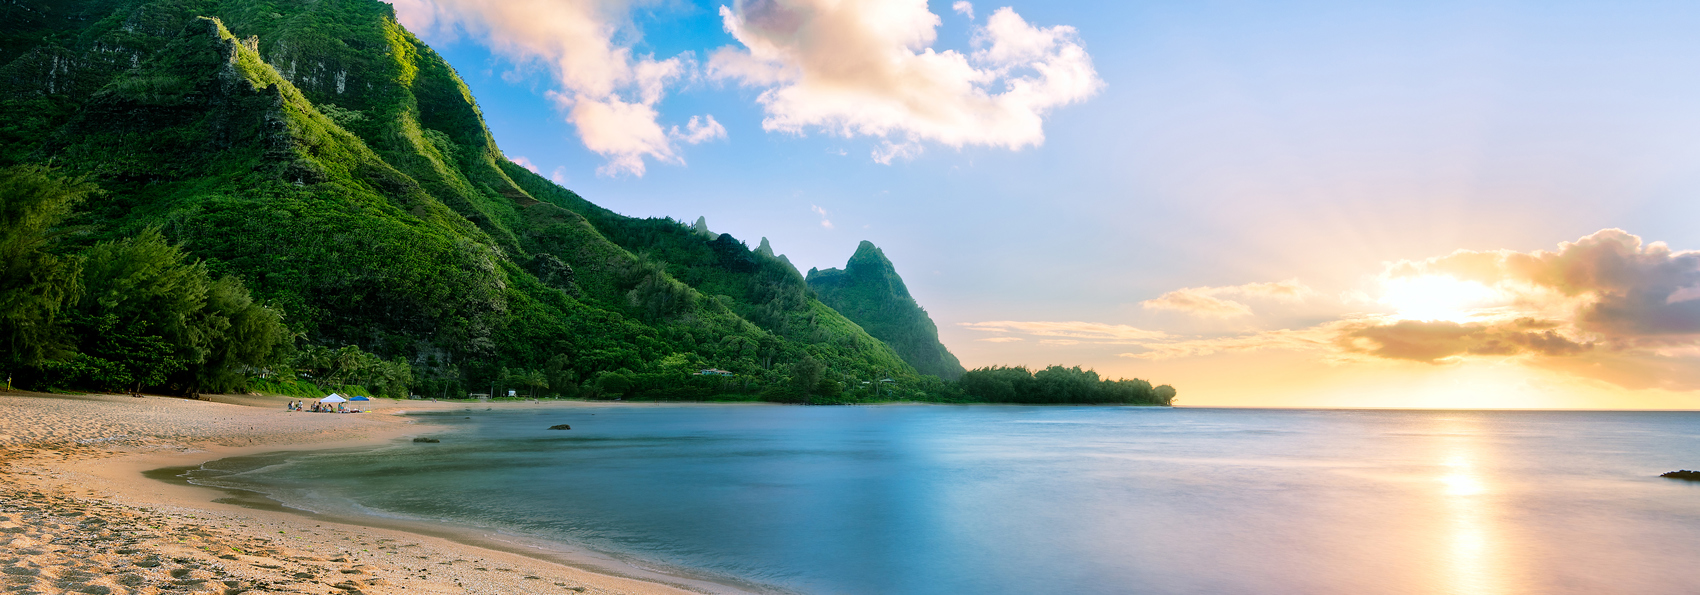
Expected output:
(714, 372)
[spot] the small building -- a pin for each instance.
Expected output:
(714, 372)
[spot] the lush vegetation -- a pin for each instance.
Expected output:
(122, 314)
(262, 195)
(869, 292)
(1058, 385)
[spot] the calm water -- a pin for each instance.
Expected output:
(949, 500)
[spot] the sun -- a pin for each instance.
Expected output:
(1437, 297)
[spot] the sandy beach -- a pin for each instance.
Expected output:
(77, 515)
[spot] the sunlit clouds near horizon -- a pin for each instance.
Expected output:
(1608, 306)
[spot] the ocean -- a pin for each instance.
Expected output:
(925, 500)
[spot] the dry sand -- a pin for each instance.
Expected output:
(77, 516)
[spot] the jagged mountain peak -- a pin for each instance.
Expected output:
(870, 293)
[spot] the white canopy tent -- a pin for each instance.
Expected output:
(334, 398)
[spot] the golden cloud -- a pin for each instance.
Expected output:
(1207, 301)
(1614, 286)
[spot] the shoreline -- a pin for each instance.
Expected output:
(83, 457)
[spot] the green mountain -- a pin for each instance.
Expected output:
(870, 293)
(318, 153)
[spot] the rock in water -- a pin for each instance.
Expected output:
(1684, 475)
(427, 440)
(560, 427)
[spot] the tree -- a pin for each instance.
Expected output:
(534, 379)
(114, 356)
(36, 286)
(806, 376)
(251, 336)
(560, 376)
(614, 383)
(215, 331)
(145, 280)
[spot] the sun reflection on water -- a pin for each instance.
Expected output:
(1476, 561)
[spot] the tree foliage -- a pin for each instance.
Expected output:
(1058, 385)
(36, 285)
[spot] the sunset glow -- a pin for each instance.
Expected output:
(1437, 297)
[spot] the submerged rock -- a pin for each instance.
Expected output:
(1684, 475)
(427, 440)
(560, 427)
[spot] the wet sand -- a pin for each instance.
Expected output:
(77, 514)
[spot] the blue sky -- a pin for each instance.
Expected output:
(1229, 144)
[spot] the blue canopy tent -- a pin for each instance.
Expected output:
(358, 399)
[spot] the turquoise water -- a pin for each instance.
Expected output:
(947, 500)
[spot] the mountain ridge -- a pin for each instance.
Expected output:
(869, 292)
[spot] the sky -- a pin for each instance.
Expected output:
(1479, 204)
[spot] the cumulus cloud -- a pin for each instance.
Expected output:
(964, 7)
(606, 91)
(1212, 302)
(866, 68)
(1608, 296)
(824, 222)
(1431, 341)
(1627, 292)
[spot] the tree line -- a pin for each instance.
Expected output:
(1058, 385)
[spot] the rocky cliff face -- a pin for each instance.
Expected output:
(870, 293)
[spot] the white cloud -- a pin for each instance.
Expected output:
(824, 222)
(559, 176)
(865, 68)
(1001, 339)
(606, 91)
(525, 163)
(887, 151)
(964, 7)
(699, 131)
